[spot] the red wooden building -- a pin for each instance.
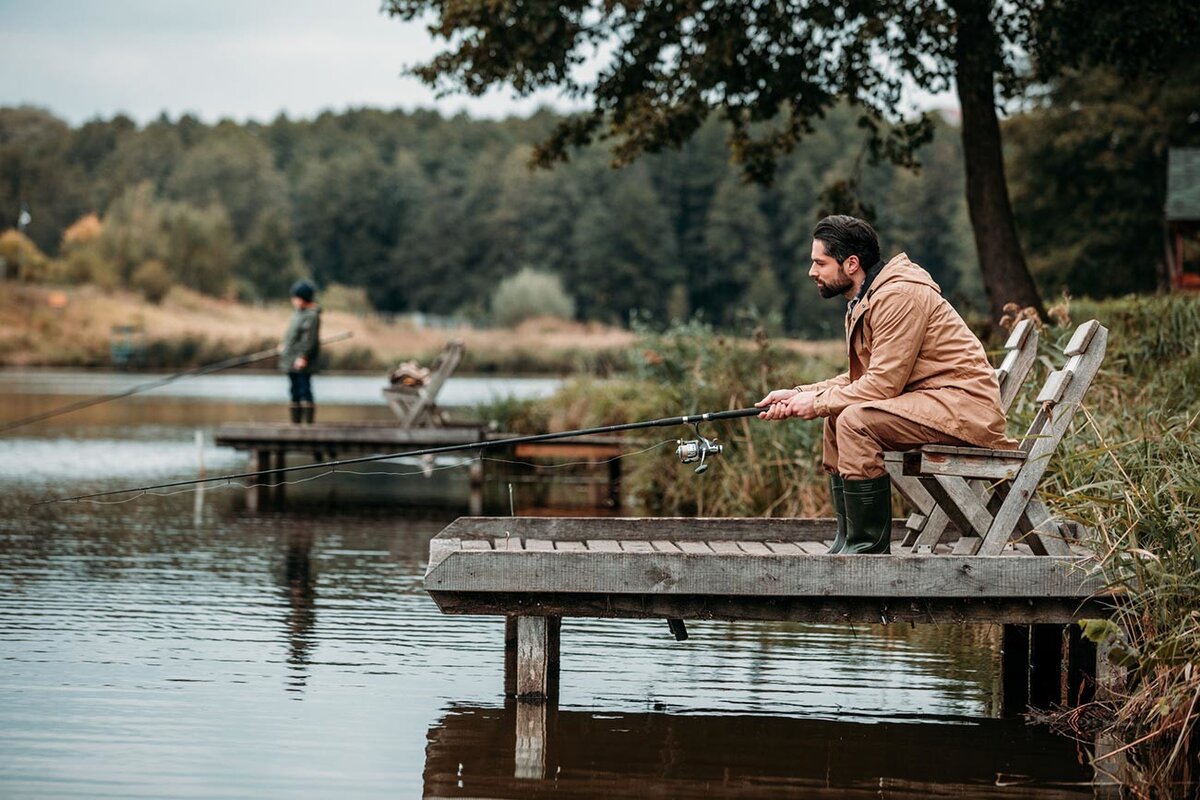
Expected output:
(1183, 217)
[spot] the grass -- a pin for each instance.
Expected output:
(1131, 473)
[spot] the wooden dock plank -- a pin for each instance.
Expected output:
(636, 547)
(507, 543)
(699, 573)
(539, 544)
(784, 548)
(726, 548)
(476, 544)
(675, 529)
(755, 548)
(664, 546)
(603, 546)
(694, 548)
(813, 548)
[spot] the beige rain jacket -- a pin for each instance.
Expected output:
(912, 355)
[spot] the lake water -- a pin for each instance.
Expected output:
(156, 648)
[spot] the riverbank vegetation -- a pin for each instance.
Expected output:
(80, 326)
(1129, 471)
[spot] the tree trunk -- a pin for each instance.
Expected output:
(1006, 278)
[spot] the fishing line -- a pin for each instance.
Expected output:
(203, 369)
(229, 484)
(691, 451)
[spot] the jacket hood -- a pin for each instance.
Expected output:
(901, 270)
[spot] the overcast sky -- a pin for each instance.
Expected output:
(245, 59)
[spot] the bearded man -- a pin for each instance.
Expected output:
(917, 375)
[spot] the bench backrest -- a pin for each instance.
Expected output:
(1019, 359)
(1063, 391)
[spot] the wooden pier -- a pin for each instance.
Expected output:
(269, 445)
(535, 571)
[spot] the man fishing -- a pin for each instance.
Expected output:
(918, 375)
(299, 350)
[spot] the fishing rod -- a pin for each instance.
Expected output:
(690, 451)
(204, 369)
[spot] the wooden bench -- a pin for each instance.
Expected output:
(415, 406)
(991, 495)
(1020, 356)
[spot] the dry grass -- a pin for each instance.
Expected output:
(33, 333)
(188, 329)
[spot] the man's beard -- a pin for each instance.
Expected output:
(839, 286)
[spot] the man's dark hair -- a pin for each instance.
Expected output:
(846, 236)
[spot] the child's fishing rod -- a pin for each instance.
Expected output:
(204, 369)
(691, 451)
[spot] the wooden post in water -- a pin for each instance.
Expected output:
(198, 507)
(1014, 670)
(1079, 676)
(277, 479)
(1045, 666)
(536, 662)
(510, 656)
(475, 473)
(614, 483)
(256, 494)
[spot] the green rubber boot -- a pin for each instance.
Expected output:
(297, 413)
(868, 515)
(839, 508)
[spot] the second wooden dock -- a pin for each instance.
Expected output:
(269, 445)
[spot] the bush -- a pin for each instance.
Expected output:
(153, 280)
(20, 258)
(531, 294)
(351, 299)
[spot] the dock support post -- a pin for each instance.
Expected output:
(1045, 666)
(614, 483)
(510, 656)
(277, 479)
(1110, 678)
(532, 672)
(475, 473)
(1080, 672)
(1014, 670)
(1111, 770)
(256, 495)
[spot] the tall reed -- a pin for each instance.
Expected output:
(1130, 472)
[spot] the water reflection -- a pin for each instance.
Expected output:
(521, 750)
(298, 581)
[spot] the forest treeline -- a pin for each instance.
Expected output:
(427, 213)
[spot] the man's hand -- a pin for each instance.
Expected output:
(784, 403)
(803, 405)
(772, 404)
(300, 363)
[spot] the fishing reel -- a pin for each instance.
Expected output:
(699, 449)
